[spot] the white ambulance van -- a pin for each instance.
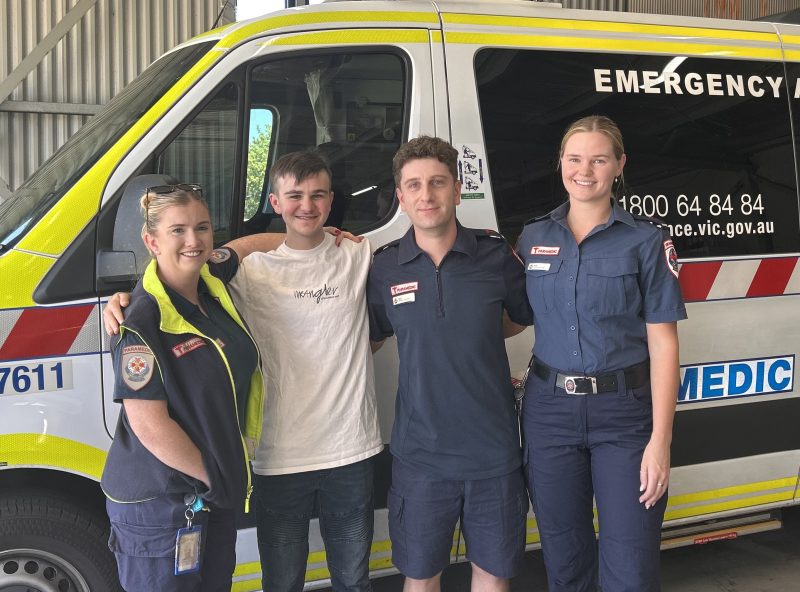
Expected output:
(708, 110)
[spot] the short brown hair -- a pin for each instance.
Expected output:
(425, 147)
(301, 165)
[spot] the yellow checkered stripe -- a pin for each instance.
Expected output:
(43, 450)
(333, 18)
(568, 34)
(712, 501)
(351, 37)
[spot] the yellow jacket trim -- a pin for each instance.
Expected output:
(44, 450)
(173, 322)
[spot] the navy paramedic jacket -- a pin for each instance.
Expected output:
(200, 399)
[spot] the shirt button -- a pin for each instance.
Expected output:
(569, 303)
(574, 353)
(571, 278)
(572, 327)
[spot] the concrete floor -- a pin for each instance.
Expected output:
(764, 562)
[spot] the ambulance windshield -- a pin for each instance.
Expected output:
(35, 197)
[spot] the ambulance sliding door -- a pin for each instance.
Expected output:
(710, 152)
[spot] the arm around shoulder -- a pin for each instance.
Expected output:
(253, 243)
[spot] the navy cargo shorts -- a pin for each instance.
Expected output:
(424, 511)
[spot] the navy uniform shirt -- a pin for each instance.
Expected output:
(454, 415)
(591, 301)
(218, 325)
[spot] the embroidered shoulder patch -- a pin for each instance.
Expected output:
(671, 256)
(136, 366)
(219, 255)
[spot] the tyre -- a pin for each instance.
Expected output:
(50, 544)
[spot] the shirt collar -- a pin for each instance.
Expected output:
(465, 243)
(184, 307)
(621, 214)
(618, 214)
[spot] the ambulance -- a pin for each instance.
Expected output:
(708, 109)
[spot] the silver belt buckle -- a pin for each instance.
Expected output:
(573, 384)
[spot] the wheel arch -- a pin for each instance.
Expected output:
(81, 490)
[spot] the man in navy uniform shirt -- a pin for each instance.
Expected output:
(450, 294)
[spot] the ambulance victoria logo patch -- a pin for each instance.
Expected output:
(136, 366)
(219, 255)
(671, 256)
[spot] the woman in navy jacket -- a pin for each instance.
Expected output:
(187, 374)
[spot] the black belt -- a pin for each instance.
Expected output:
(635, 376)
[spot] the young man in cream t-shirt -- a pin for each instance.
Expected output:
(305, 303)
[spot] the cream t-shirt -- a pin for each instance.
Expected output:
(307, 311)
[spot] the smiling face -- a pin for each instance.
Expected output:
(304, 207)
(182, 240)
(589, 166)
(429, 194)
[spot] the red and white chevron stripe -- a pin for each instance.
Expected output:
(44, 332)
(721, 280)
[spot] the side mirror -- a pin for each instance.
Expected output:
(116, 266)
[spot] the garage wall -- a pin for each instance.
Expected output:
(111, 43)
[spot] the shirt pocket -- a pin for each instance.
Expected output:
(540, 281)
(611, 285)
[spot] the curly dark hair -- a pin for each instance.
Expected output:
(425, 147)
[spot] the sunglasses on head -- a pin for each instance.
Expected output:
(163, 189)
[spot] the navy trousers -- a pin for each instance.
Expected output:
(580, 448)
(143, 541)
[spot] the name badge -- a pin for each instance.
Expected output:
(538, 266)
(403, 298)
(403, 288)
(541, 250)
(187, 549)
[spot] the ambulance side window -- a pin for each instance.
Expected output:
(259, 145)
(204, 153)
(709, 141)
(350, 106)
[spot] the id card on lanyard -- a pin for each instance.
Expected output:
(189, 540)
